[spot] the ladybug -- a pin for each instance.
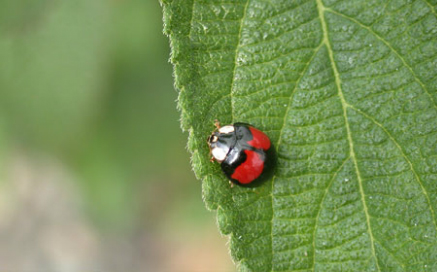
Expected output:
(246, 154)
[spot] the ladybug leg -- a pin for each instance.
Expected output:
(217, 123)
(212, 157)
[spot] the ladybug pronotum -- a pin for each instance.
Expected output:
(246, 154)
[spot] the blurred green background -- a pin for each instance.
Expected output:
(94, 174)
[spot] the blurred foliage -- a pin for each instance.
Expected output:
(89, 83)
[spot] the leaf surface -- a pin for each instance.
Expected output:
(347, 91)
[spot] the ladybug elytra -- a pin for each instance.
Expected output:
(246, 154)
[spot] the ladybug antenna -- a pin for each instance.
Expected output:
(217, 123)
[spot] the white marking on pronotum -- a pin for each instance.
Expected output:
(226, 129)
(219, 153)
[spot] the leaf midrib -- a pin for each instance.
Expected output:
(321, 9)
(418, 80)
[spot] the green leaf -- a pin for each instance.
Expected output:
(347, 91)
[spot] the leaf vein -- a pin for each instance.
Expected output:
(391, 48)
(282, 130)
(320, 208)
(234, 69)
(413, 170)
(433, 10)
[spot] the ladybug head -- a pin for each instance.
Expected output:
(220, 142)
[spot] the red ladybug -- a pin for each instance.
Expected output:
(246, 154)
